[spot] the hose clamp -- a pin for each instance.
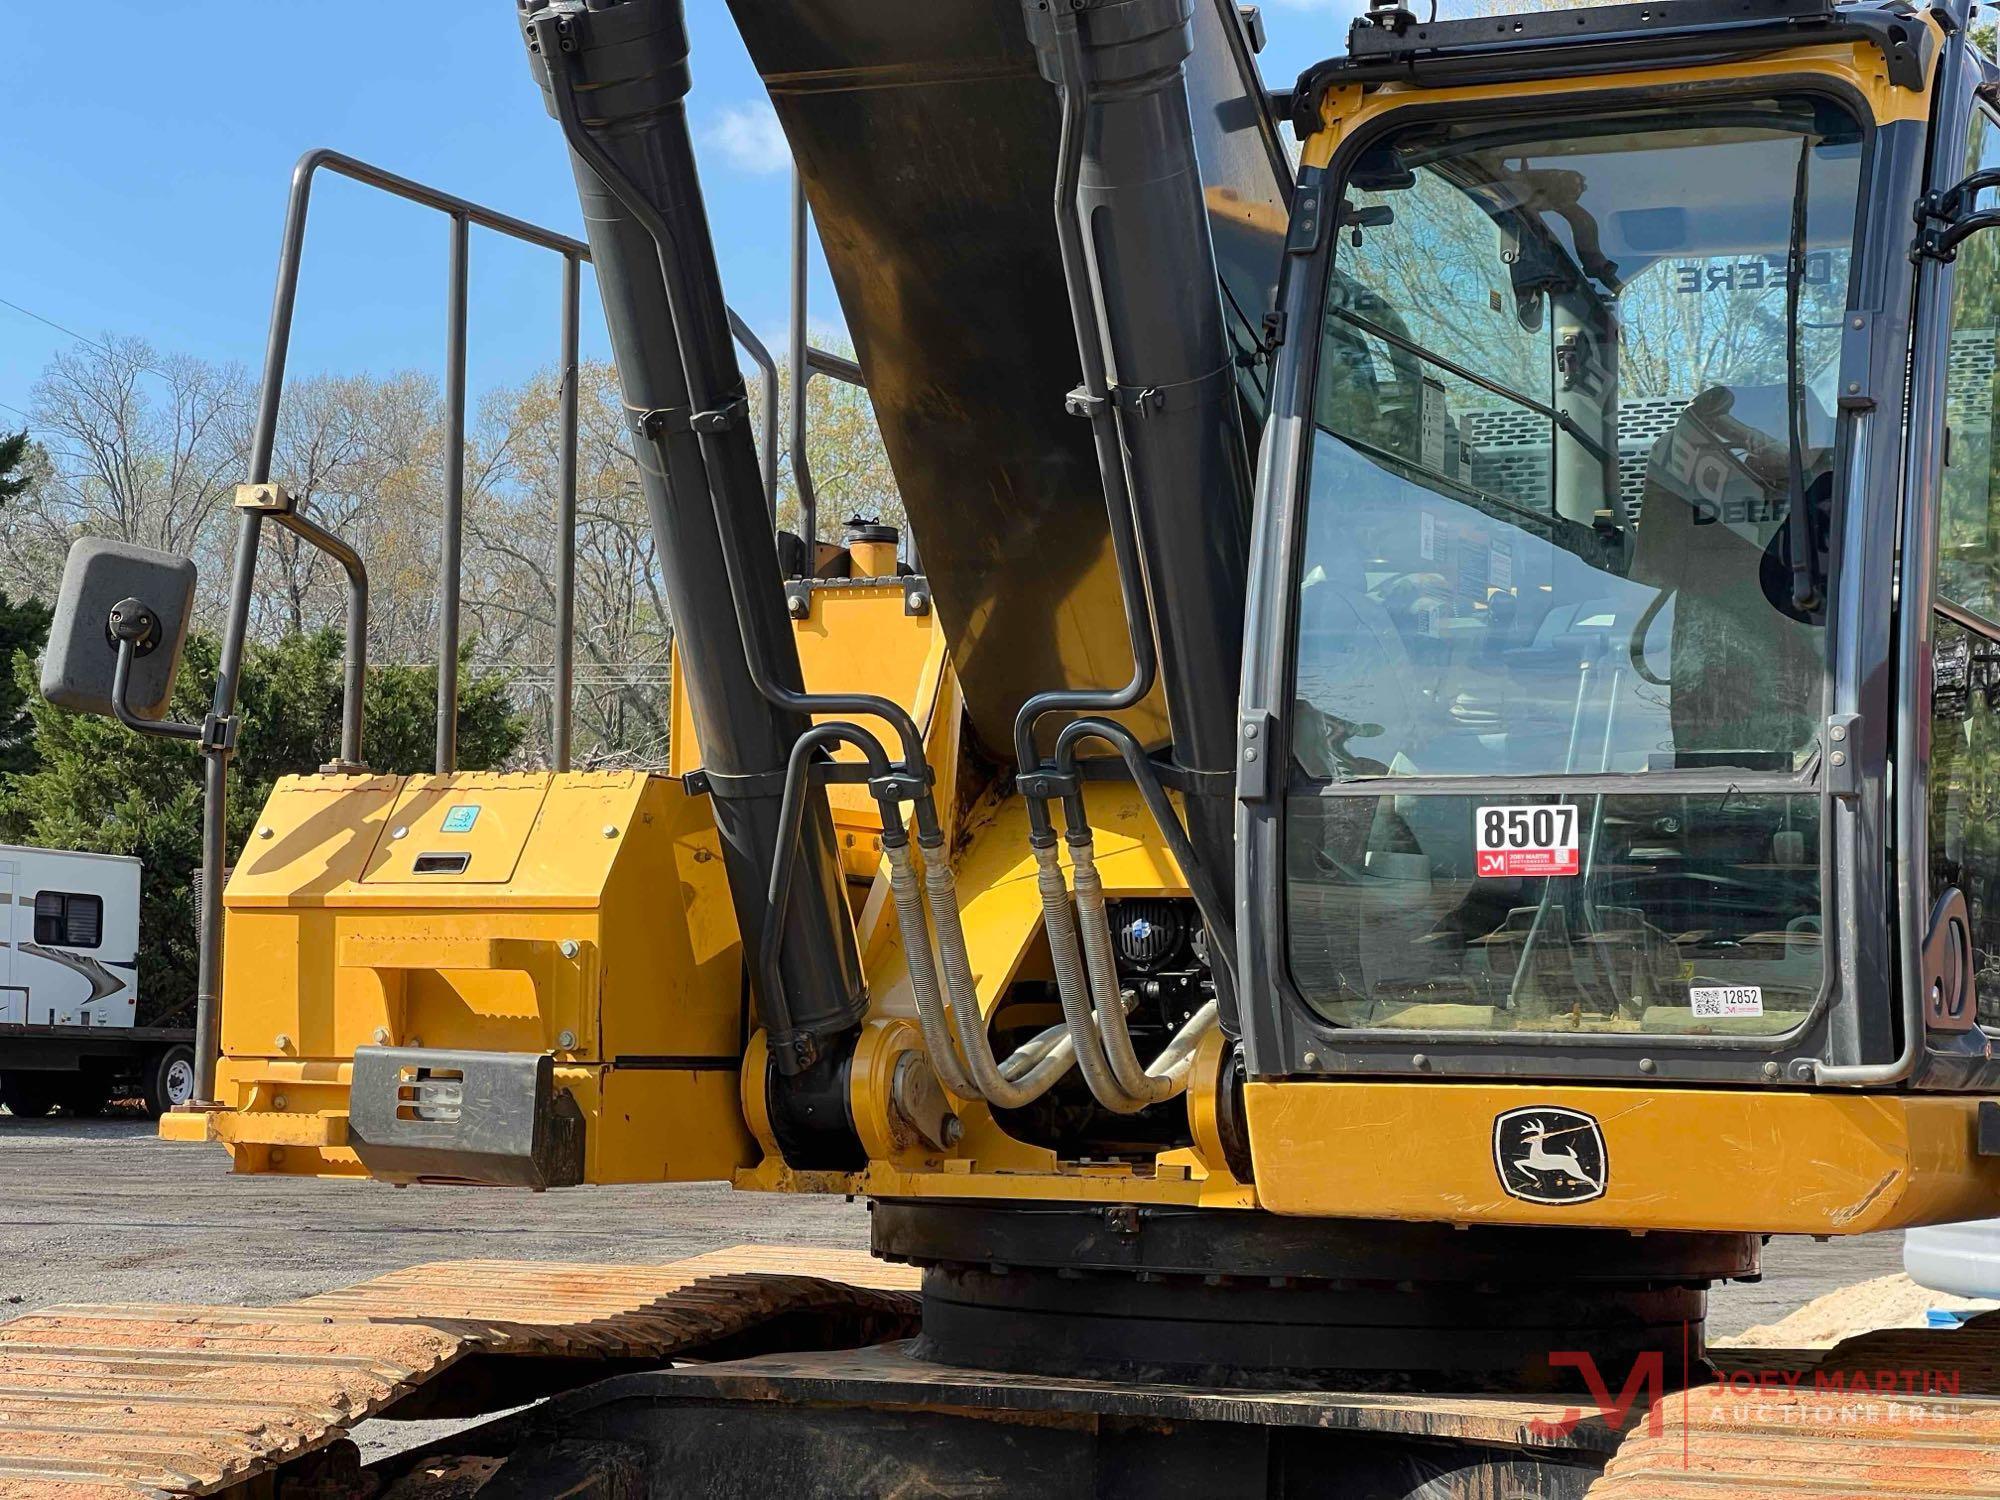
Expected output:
(731, 413)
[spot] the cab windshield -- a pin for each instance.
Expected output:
(1570, 500)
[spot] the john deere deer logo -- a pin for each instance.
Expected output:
(1546, 1154)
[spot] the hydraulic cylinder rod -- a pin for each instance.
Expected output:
(1121, 68)
(619, 86)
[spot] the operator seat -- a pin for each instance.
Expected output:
(1742, 669)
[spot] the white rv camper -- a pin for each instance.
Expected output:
(69, 987)
(69, 939)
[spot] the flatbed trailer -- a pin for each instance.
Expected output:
(72, 1064)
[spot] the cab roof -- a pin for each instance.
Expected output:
(1389, 45)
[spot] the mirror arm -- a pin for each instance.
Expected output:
(1953, 201)
(1941, 243)
(1942, 221)
(121, 676)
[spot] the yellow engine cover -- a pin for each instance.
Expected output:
(1765, 1162)
(582, 914)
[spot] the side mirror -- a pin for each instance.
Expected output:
(114, 593)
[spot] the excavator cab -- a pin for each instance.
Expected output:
(1611, 593)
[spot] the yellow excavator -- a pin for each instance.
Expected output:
(1423, 779)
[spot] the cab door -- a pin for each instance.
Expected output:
(1962, 835)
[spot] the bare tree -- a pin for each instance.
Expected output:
(849, 465)
(142, 447)
(359, 455)
(146, 448)
(623, 622)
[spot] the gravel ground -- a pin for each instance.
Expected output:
(102, 1211)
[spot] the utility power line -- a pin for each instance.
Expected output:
(29, 312)
(81, 338)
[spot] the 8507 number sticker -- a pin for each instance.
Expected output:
(1535, 839)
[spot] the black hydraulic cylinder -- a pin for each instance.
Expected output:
(625, 75)
(1170, 365)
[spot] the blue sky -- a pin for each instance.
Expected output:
(145, 197)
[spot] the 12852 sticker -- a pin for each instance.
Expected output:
(1714, 1001)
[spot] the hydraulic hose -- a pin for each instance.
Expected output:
(1176, 1061)
(1207, 899)
(962, 992)
(1103, 1042)
(791, 825)
(1042, 1044)
(1093, 921)
(1034, 1068)
(907, 894)
(1073, 987)
(1084, 1043)
(1092, 400)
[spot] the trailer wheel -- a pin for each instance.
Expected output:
(31, 1095)
(169, 1079)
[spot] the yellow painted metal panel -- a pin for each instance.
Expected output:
(185, 1126)
(612, 944)
(1777, 1162)
(496, 812)
(522, 1002)
(581, 829)
(673, 976)
(667, 1125)
(995, 1179)
(315, 835)
(1859, 66)
(271, 1128)
(375, 951)
(858, 638)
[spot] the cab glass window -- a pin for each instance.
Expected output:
(1569, 508)
(1965, 678)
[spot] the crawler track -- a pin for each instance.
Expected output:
(157, 1400)
(154, 1399)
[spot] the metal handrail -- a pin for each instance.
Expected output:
(463, 213)
(217, 748)
(806, 362)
